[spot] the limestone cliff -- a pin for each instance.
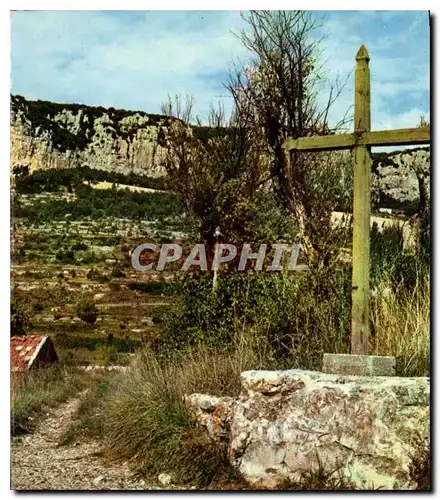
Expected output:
(47, 135)
(396, 176)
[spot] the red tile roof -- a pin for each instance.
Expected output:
(25, 350)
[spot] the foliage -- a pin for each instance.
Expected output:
(97, 203)
(52, 180)
(392, 261)
(66, 256)
(117, 272)
(276, 95)
(87, 311)
(20, 316)
(299, 317)
(220, 177)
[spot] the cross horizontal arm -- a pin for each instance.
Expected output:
(399, 137)
(396, 137)
(339, 141)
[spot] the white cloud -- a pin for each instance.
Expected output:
(133, 60)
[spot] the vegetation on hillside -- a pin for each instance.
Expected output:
(52, 180)
(97, 203)
(232, 182)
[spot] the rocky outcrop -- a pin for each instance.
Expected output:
(287, 423)
(47, 135)
(396, 175)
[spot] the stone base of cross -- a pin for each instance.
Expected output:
(361, 142)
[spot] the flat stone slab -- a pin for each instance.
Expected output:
(357, 364)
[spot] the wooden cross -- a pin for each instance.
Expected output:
(361, 141)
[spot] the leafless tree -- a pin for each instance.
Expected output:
(276, 97)
(216, 169)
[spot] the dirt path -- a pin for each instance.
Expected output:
(38, 463)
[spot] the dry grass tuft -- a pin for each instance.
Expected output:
(401, 322)
(33, 392)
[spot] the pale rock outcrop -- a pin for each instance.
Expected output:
(285, 423)
(47, 135)
(395, 175)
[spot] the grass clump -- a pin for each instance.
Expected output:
(147, 420)
(401, 325)
(33, 392)
(142, 416)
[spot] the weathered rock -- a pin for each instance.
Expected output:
(48, 135)
(213, 413)
(395, 174)
(286, 423)
(165, 479)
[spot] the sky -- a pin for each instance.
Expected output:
(134, 59)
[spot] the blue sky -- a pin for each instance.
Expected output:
(133, 59)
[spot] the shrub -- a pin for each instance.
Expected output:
(87, 311)
(300, 317)
(88, 257)
(20, 317)
(117, 272)
(93, 275)
(65, 256)
(79, 245)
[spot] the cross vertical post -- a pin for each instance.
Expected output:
(359, 362)
(361, 208)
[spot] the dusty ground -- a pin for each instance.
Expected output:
(39, 463)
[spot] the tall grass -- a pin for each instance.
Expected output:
(401, 324)
(35, 391)
(147, 419)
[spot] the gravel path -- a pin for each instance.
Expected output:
(38, 463)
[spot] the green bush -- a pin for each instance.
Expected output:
(299, 316)
(65, 256)
(20, 317)
(117, 272)
(87, 311)
(97, 203)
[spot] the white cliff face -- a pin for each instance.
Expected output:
(47, 135)
(395, 174)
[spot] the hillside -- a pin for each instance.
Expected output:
(47, 135)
